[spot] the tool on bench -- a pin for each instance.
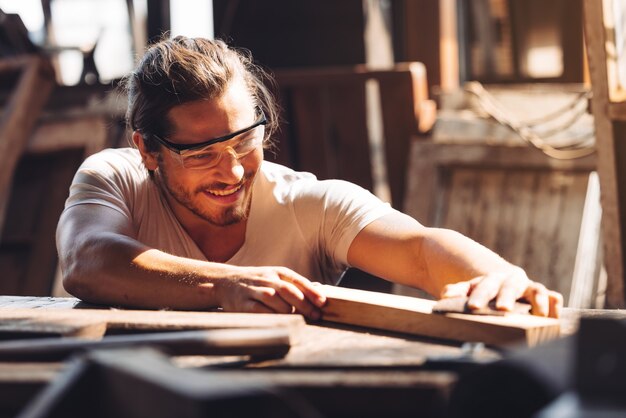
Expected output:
(269, 342)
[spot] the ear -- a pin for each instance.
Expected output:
(149, 159)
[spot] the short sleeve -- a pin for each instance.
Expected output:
(335, 211)
(107, 178)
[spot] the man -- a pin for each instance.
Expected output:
(193, 218)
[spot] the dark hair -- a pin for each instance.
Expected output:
(180, 70)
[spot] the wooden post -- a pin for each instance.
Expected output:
(35, 82)
(611, 153)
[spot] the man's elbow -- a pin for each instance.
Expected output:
(75, 278)
(80, 265)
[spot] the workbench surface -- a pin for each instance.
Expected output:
(323, 356)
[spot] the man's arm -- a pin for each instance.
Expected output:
(445, 264)
(103, 263)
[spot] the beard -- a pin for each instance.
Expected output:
(226, 216)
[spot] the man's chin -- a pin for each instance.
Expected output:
(229, 215)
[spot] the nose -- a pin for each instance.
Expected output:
(229, 168)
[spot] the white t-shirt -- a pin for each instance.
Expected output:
(295, 220)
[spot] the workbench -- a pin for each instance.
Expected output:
(342, 370)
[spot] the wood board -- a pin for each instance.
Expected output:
(609, 120)
(19, 113)
(94, 323)
(265, 342)
(414, 316)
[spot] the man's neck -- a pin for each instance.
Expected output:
(218, 243)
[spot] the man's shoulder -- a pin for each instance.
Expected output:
(117, 161)
(289, 184)
(277, 173)
(284, 184)
(116, 156)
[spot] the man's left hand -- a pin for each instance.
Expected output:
(507, 287)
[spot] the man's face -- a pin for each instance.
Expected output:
(220, 195)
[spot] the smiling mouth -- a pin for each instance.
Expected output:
(227, 192)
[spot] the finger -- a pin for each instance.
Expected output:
(254, 306)
(537, 295)
(456, 290)
(556, 304)
(506, 299)
(293, 296)
(510, 291)
(485, 290)
(270, 297)
(312, 292)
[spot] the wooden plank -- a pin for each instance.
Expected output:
(613, 28)
(19, 115)
(414, 316)
(28, 302)
(88, 132)
(416, 23)
(26, 328)
(136, 320)
(565, 244)
(401, 114)
(588, 260)
(608, 158)
(457, 212)
(544, 224)
(488, 207)
(311, 130)
(256, 342)
(350, 151)
(513, 224)
(449, 45)
(617, 111)
(423, 179)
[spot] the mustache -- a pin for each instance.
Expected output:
(224, 186)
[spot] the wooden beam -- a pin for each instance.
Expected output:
(610, 184)
(416, 25)
(88, 132)
(414, 316)
(36, 80)
(35, 320)
(273, 342)
(617, 111)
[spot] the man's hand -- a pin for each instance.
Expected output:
(507, 287)
(271, 290)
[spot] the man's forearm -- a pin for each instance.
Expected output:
(451, 257)
(115, 269)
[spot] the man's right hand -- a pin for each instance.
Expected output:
(270, 290)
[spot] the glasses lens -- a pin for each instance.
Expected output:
(209, 157)
(201, 158)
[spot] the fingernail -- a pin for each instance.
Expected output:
(506, 306)
(475, 304)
